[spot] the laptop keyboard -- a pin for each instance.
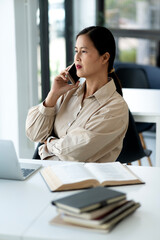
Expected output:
(26, 171)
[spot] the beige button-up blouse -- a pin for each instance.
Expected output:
(91, 130)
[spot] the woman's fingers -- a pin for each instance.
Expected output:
(64, 75)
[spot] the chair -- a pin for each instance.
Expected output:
(36, 155)
(152, 72)
(133, 76)
(132, 149)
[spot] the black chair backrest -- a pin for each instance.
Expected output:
(36, 155)
(132, 149)
(132, 77)
(152, 72)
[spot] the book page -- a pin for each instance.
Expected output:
(71, 172)
(110, 171)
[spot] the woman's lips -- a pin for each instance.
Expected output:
(78, 66)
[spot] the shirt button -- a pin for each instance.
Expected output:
(69, 124)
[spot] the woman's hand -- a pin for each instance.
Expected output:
(59, 87)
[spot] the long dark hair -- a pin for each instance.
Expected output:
(103, 41)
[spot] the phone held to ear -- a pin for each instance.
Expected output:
(72, 74)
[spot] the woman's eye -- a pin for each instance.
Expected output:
(82, 51)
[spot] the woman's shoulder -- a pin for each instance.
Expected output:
(118, 102)
(115, 106)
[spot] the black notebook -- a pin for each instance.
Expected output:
(89, 199)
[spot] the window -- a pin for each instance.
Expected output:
(57, 49)
(132, 14)
(136, 26)
(51, 32)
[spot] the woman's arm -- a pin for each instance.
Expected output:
(39, 122)
(100, 137)
(59, 87)
(40, 119)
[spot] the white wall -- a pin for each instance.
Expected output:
(18, 74)
(8, 74)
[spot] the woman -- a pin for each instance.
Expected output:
(89, 120)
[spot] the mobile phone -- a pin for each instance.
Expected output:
(72, 74)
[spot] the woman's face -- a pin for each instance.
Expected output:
(87, 59)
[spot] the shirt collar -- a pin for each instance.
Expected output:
(80, 90)
(103, 94)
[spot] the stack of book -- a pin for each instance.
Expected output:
(97, 208)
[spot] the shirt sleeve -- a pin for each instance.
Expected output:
(100, 136)
(39, 122)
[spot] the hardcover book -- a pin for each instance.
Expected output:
(105, 227)
(77, 175)
(89, 199)
(100, 220)
(92, 214)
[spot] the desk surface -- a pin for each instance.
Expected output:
(143, 101)
(26, 210)
(145, 107)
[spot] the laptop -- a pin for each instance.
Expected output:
(10, 167)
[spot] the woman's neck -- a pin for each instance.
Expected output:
(93, 84)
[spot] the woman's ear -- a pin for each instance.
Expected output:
(105, 57)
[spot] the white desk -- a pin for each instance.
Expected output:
(21, 202)
(25, 211)
(145, 107)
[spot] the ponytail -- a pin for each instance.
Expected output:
(117, 82)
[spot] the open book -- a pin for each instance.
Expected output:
(76, 175)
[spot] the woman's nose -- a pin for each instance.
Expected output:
(77, 57)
